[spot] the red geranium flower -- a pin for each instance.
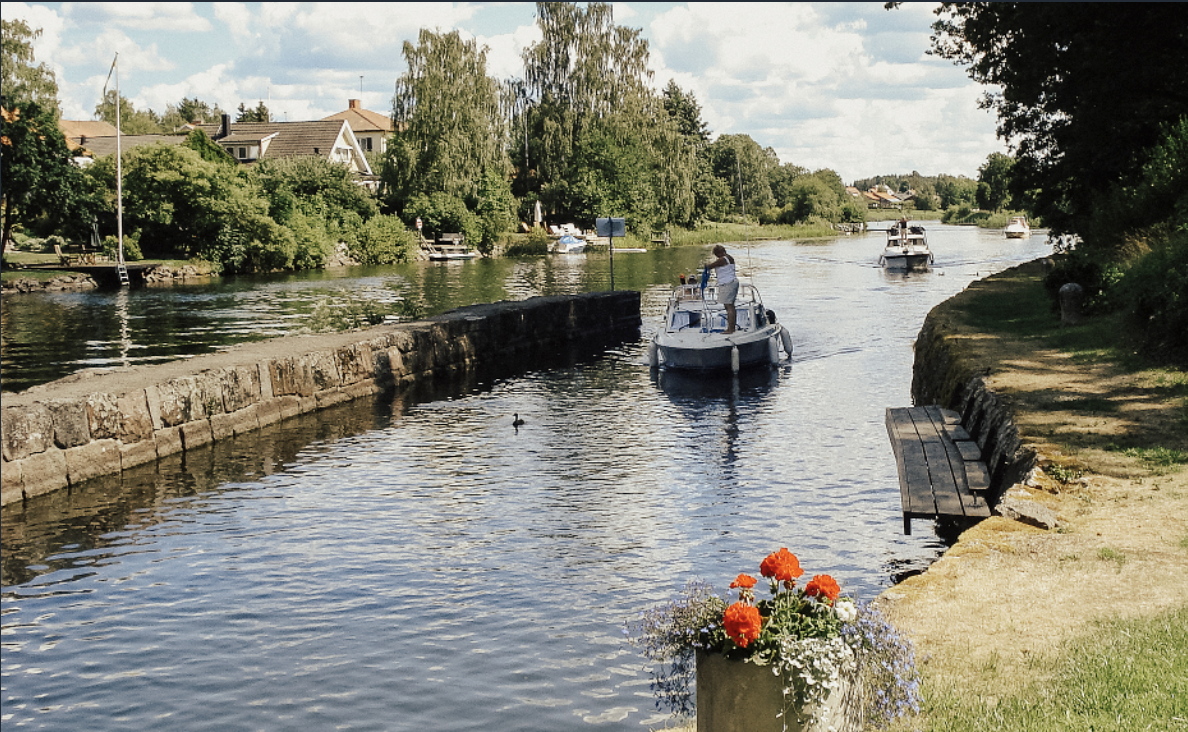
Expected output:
(782, 565)
(744, 581)
(823, 585)
(742, 623)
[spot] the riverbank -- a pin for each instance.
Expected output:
(994, 614)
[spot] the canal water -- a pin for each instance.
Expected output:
(419, 563)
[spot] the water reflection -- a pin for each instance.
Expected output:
(418, 563)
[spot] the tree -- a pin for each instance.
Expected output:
(994, 182)
(739, 160)
(20, 80)
(132, 121)
(259, 113)
(1083, 91)
(682, 106)
(451, 129)
(40, 177)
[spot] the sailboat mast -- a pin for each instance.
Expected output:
(119, 168)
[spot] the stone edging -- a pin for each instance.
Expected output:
(81, 427)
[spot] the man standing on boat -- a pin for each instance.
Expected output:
(727, 284)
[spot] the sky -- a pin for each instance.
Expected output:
(846, 86)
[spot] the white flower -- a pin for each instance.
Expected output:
(846, 610)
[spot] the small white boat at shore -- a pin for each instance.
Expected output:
(906, 248)
(1018, 228)
(693, 336)
(569, 244)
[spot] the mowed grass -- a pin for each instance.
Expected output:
(1121, 676)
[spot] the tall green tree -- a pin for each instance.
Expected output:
(1080, 90)
(994, 182)
(20, 80)
(40, 177)
(132, 120)
(745, 164)
(450, 126)
(258, 113)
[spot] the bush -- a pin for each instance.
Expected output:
(132, 251)
(1155, 291)
(382, 240)
(535, 244)
(1094, 276)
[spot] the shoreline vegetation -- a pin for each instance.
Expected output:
(1084, 626)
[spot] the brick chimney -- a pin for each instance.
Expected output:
(225, 127)
(354, 104)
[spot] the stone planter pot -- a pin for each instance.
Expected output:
(736, 696)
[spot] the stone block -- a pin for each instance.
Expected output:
(12, 485)
(223, 426)
(330, 397)
(27, 430)
(269, 411)
(195, 434)
(209, 387)
(241, 387)
(264, 375)
(180, 402)
(103, 416)
(324, 368)
(44, 472)
(291, 406)
(168, 441)
(291, 376)
(361, 389)
(71, 427)
(152, 395)
(99, 457)
(308, 404)
(137, 453)
(356, 362)
(136, 423)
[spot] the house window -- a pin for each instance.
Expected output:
(365, 143)
(242, 153)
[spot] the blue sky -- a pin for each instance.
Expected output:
(846, 86)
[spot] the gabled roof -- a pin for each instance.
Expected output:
(76, 129)
(103, 146)
(291, 139)
(363, 120)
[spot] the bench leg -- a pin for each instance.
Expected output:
(907, 525)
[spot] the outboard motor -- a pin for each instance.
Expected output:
(771, 316)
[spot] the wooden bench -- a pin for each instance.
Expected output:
(941, 473)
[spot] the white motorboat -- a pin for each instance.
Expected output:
(907, 248)
(693, 336)
(569, 244)
(1018, 228)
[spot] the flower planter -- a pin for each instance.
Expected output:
(737, 696)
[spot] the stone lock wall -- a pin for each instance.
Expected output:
(63, 433)
(943, 375)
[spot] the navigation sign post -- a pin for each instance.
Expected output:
(611, 228)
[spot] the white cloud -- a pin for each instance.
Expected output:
(138, 16)
(505, 55)
(102, 49)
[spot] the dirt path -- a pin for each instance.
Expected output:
(1007, 594)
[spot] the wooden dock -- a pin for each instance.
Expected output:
(941, 472)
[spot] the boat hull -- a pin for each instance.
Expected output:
(920, 260)
(714, 351)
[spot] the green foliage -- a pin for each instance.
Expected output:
(494, 210)
(132, 253)
(1155, 291)
(451, 130)
(536, 243)
(994, 182)
(20, 80)
(131, 120)
(314, 186)
(41, 180)
(1076, 93)
(383, 240)
(259, 113)
(441, 213)
(208, 149)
